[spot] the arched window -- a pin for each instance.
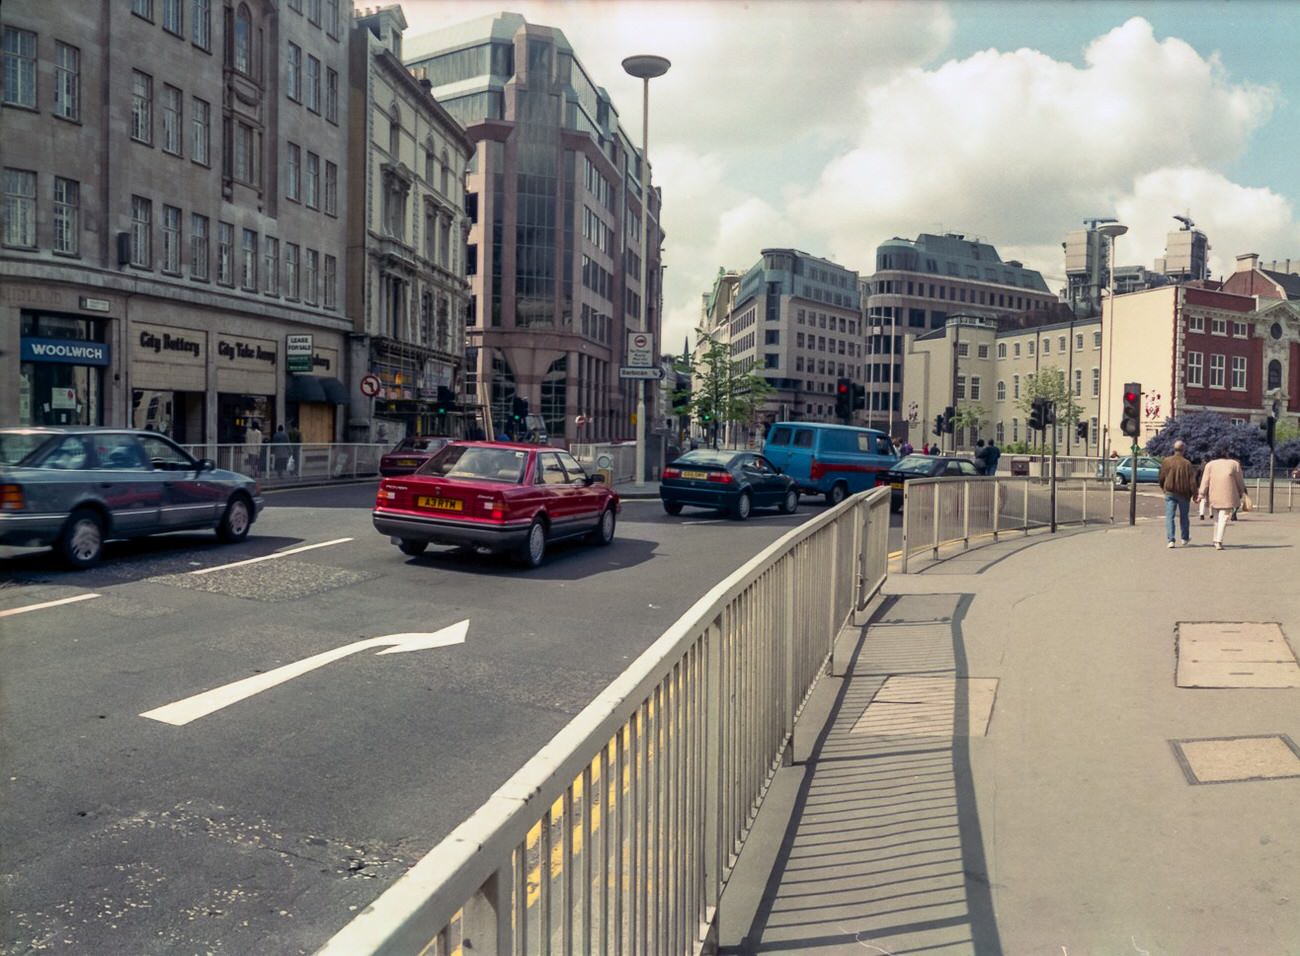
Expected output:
(428, 160)
(1274, 374)
(395, 131)
(244, 40)
(446, 174)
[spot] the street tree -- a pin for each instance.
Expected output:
(973, 417)
(1209, 434)
(1051, 384)
(720, 392)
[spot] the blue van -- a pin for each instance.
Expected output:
(831, 460)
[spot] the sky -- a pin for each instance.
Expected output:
(831, 126)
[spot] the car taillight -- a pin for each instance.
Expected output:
(671, 473)
(721, 477)
(384, 495)
(816, 470)
(498, 510)
(11, 498)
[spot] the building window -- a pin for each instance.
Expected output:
(142, 8)
(1078, 342)
(225, 253)
(141, 232)
(270, 266)
(395, 133)
(1015, 429)
(245, 166)
(1196, 323)
(1029, 346)
(67, 81)
(1218, 326)
(290, 270)
(248, 261)
(959, 388)
(331, 95)
(332, 18)
(201, 24)
(293, 72)
(331, 188)
(1096, 340)
(67, 207)
(309, 268)
(1002, 350)
(1016, 350)
(312, 89)
(1096, 381)
(329, 282)
(1217, 365)
(171, 104)
(1015, 386)
(171, 237)
(20, 208)
(198, 247)
(172, 17)
(243, 41)
(963, 349)
(1060, 344)
(141, 107)
(313, 12)
(982, 351)
(1047, 347)
(1239, 373)
(291, 184)
(201, 132)
(1195, 369)
(1239, 329)
(311, 181)
(1078, 382)
(20, 67)
(974, 388)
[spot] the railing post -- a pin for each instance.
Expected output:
(906, 511)
(997, 506)
(965, 514)
(713, 782)
(485, 920)
(787, 617)
(1025, 518)
(934, 520)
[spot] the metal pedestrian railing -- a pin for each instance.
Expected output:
(295, 462)
(619, 836)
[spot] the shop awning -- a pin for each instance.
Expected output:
(305, 388)
(335, 391)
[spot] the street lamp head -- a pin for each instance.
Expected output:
(646, 66)
(1112, 229)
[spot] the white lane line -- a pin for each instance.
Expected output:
(268, 557)
(37, 607)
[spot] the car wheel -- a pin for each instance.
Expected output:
(603, 533)
(82, 541)
(412, 546)
(837, 493)
(236, 521)
(744, 504)
(533, 550)
(673, 507)
(790, 503)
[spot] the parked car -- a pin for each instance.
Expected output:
(727, 480)
(925, 466)
(410, 453)
(831, 460)
(503, 496)
(74, 488)
(1148, 470)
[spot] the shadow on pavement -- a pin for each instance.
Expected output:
(563, 559)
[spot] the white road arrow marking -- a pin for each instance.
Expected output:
(182, 712)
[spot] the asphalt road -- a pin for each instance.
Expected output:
(261, 827)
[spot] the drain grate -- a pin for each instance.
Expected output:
(1236, 759)
(1227, 654)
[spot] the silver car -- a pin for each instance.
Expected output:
(75, 488)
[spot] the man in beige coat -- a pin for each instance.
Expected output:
(1223, 484)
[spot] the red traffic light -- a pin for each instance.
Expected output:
(844, 388)
(1130, 396)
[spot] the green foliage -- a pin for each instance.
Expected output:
(1015, 448)
(971, 416)
(720, 392)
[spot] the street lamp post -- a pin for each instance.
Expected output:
(1111, 230)
(645, 67)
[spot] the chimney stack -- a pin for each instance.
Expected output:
(1248, 262)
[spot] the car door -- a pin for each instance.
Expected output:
(127, 484)
(777, 446)
(188, 499)
(557, 493)
(588, 498)
(768, 482)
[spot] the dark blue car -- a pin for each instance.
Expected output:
(732, 481)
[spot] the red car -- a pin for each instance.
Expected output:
(502, 496)
(410, 453)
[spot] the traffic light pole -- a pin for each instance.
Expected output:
(1052, 479)
(1133, 484)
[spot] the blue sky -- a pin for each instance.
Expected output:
(833, 125)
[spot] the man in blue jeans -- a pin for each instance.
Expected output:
(1178, 481)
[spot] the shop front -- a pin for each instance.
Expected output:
(313, 391)
(246, 386)
(168, 381)
(61, 369)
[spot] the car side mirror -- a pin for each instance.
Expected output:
(592, 479)
(205, 464)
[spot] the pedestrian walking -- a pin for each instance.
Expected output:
(925, 448)
(1224, 485)
(1177, 480)
(1202, 504)
(986, 457)
(253, 449)
(280, 451)
(906, 448)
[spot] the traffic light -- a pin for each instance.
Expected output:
(518, 408)
(1038, 414)
(949, 415)
(859, 396)
(1081, 430)
(938, 425)
(1269, 427)
(844, 399)
(1131, 420)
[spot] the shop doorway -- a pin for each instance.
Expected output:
(178, 415)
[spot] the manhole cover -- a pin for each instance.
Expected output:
(1227, 654)
(1234, 759)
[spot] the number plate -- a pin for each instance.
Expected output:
(408, 462)
(440, 504)
(896, 484)
(698, 475)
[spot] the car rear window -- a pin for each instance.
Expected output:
(779, 436)
(420, 444)
(480, 464)
(705, 456)
(914, 465)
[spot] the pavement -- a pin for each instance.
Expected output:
(1003, 759)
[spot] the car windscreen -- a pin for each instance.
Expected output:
(705, 456)
(15, 447)
(479, 464)
(914, 465)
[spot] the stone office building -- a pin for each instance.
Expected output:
(172, 216)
